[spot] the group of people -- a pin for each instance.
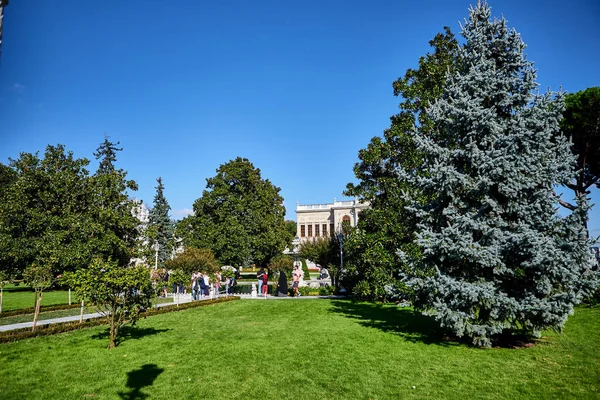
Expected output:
(201, 285)
(263, 281)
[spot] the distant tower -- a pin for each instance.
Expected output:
(3, 3)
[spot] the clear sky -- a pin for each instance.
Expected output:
(297, 87)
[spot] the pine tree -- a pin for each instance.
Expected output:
(107, 154)
(160, 226)
(114, 230)
(497, 259)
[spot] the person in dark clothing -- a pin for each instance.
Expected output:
(202, 285)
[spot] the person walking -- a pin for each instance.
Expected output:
(195, 286)
(217, 283)
(296, 274)
(206, 285)
(201, 285)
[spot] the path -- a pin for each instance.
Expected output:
(182, 300)
(3, 328)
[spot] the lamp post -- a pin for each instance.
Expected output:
(340, 237)
(295, 244)
(155, 247)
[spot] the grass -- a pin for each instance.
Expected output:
(44, 315)
(302, 349)
(17, 297)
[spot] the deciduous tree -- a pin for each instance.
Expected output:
(193, 260)
(44, 212)
(120, 293)
(40, 278)
(240, 216)
(325, 252)
(387, 226)
(581, 124)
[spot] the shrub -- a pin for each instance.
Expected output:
(362, 291)
(326, 290)
(305, 270)
(31, 310)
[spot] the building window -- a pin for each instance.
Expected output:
(325, 230)
(302, 231)
(309, 230)
(345, 218)
(317, 230)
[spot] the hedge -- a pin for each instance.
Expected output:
(52, 329)
(31, 310)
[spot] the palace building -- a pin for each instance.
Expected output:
(322, 220)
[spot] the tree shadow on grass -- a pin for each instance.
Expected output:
(139, 378)
(404, 322)
(128, 332)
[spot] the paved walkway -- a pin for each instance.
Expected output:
(183, 299)
(10, 327)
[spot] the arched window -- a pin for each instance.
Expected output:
(345, 218)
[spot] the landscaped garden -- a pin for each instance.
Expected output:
(303, 349)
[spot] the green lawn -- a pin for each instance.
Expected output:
(17, 297)
(299, 349)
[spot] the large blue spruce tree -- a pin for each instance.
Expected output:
(497, 259)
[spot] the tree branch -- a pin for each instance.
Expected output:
(566, 205)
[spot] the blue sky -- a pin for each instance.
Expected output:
(296, 87)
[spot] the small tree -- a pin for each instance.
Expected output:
(119, 293)
(193, 260)
(179, 277)
(281, 262)
(40, 278)
(324, 251)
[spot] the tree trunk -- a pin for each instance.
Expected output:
(37, 309)
(113, 333)
(1, 297)
(81, 312)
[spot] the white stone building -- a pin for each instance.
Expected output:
(322, 220)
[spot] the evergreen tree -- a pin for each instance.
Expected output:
(107, 154)
(160, 227)
(496, 257)
(114, 227)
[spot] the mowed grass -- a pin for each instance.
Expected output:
(300, 349)
(17, 297)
